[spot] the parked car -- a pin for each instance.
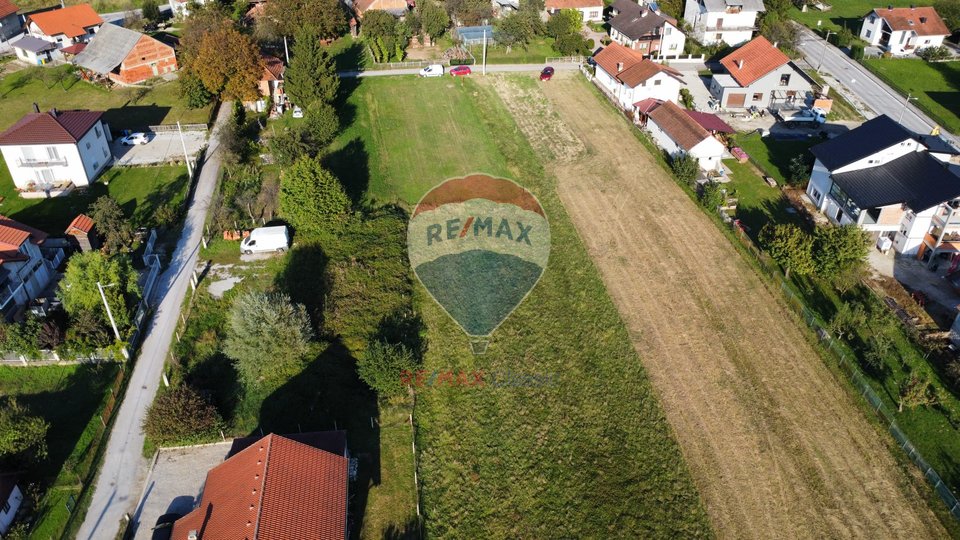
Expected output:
(266, 239)
(134, 139)
(802, 118)
(460, 71)
(164, 526)
(433, 70)
(546, 74)
(297, 112)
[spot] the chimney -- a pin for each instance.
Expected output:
(740, 64)
(775, 43)
(36, 108)
(192, 535)
(643, 13)
(912, 7)
(619, 67)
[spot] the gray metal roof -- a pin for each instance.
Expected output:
(32, 44)
(107, 49)
(637, 23)
(917, 179)
(867, 139)
(722, 5)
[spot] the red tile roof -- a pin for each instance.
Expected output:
(910, 19)
(76, 48)
(678, 125)
(62, 127)
(573, 4)
(645, 106)
(81, 223)
(7, 8)
(71, 21)
(12, 235)
(273, 68)
(629, 66)
(274, 489)
(753, 60)
(710, 122)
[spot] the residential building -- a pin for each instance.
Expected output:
(26, 267)
(125, 56)
(181, 8)
(904, 30)
(592, 10)
(677, 133)
(272, 96)
(711, 123)
(645, 29)
(10, 23)
(48, 153)
(722, 21)
(397, 8)
(65, 26)
(272, 488)
(33, 51)
(628, 77)
(884, 178)
(759, 75)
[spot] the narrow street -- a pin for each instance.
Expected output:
(124, 468)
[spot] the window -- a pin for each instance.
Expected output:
(594, 14)
(869, 33)
(926, 42)
(758, 96)
(6, 507)
(88, 145)
(98, 132)
(816, 194)
(673, 46)
(839, 214)
(657, 83)
(872, 19)
(643, 45)
(667, 30)
(96, 165)
(53, 153)
(719, 37)
(785, 79)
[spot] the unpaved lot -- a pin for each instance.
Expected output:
(777, 447)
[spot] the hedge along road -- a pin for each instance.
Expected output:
(777, 447)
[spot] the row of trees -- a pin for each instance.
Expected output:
(837, 254)
(524, 25)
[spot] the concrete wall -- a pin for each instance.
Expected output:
(82, 161)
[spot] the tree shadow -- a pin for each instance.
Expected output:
(350, 58)
(135, 116)
(302, 279)
(217, 378)
(408, 531)
(351, 164)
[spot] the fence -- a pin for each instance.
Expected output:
(402, 65)
(166, 128)
(152, 260)
(564, 60)
(680, 58)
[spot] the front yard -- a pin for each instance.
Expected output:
(936, 85)
(844, 13)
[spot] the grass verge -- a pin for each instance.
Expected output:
(935, 85)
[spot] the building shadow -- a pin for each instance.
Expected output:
(134, 117)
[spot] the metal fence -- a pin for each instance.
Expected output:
(166, 128)
(564, 60)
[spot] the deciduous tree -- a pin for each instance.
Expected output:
(312, 75)
(790, 246)
(112, 224)
(285, 17)
(434, 20)
(150, 11)
(228, 64)
(839, 249)
(268, 337)
(78, 289)
(22, 435)
(181, 416)
(916, 391)
(310, 197)
(564, 22)
(949, 11)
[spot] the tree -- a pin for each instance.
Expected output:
(564, 22)
(847, 319)
(386, 37)
(839, 249)
(86, 332)
(268, 337)
(879, 346)
(712, 195)
(22, 436)
(288, 146)
(934, 54)
(514, 29)
(916, 391)
(181, 416)
(312, 75)
(23, 337)
(434, 20)
(310, 197)
(382, 365)
(469, 12)
(779, 29)
(949, 11)
(320, 126)
(790, 246)
(684, 167)
(328, 18)
(150, 11)
(113, 225)
(798, 171)
(78, 289)
(192, 90)
(571, 44)
(228, 64)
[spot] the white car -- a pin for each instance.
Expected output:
(134, 139)
(297, 112)
(265, 239)
(433, 70)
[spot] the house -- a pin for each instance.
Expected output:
(125, 56)
(904, 30)
(26, 266)
(82, 233)
(275, 487)
(628, 77)
(65, 26)
(592, 10)
(722, 21)
(270, 86)
(397, 8)
(53, 151)
(33, 51)
(885, 179)
(758, 74)
(181, 8)
(10, 497)
(645, 29)
(10, 23)
(677, 133)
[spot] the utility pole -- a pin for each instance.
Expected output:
(906, 102)
(186, 158)
(826, 43)
(286, 52)
(484, 51)
(109, 313)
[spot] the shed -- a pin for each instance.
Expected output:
(82, 233)
(33, 50)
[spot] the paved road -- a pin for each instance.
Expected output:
(124, 469)
(861, 85)
(491, 68)
(118, 16)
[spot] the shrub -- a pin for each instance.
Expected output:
(934, 54)
(790, 246)
(383, 367)
(685, 168)
(23, 437)
(799, 170)
(311, 198)
(179, 416)
(686, 98)
(856, 51)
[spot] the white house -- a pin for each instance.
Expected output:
(677, 133)
(592, 10)
(630, 78)
(904, 30)
(181, 8)
(26, 267)
(758, 75)
(10, 498)
(33, 51)
(885, 179)
(65, 26)
(48, 153)
(645, 29)
(728, 21)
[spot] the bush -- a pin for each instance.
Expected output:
(311, 198)
(383, 367)
(934, 54)
(180, 416)
(685, 168)
(686, 98)
(856, 51)
(712, 195)
(799, 170)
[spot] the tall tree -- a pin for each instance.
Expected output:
(949, 11)
(320, 126)
(839, 249)
(312, 75)
(78, 289)
(434, 20)
(22, 436)
(790, 246)
(286, 17)
(310, 197)
(228, 64)
(113, 225)
(150, 11)
(566, 21)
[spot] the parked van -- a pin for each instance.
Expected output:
(266, 239)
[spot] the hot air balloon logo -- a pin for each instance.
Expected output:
(479, 245)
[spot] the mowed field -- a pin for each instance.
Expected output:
(777, 447)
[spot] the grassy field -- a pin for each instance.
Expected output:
(535, 53)
(139, 190)
(937, 85)
(124, 107)
(845, 13)
(771, 155)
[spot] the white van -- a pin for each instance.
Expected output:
(265, 239)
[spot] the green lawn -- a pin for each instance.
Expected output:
(845, 13)
(139, 190)
(124, 107)
(757, 203)
(535, 53)
(937, 85)
(771, 155)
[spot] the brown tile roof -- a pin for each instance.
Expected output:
(71, 21)
(12, 235)
(63, 127)
(910, 19)
(678, 125)
(362, 6)
(7, 8)
(573, 4)
(81, 223)
(753, 60)
(76, 48)
(634, 69)
(274, 489)
(273, 68)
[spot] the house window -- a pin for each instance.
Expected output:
(594, 14)
(872, 19)
(657, 83)
(816, 194)
(758, 96)
(926, 42)
(673, 46)
(643, 45)
(785, 79)
(667, 30)
(869, 33)
(96, 164)
(719, 37)
(98, 132)
(6, 507)
(88, 145)
(839, 214)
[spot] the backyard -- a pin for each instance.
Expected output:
(844, 13)
(936, 85)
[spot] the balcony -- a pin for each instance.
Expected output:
(940, 219)
(702, 28)
(57, 162)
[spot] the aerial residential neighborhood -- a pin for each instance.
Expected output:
(479, 269)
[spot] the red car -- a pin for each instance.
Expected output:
(546, 74)
(459, 71)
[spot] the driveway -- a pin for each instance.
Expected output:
(942, 300)
(162, 148)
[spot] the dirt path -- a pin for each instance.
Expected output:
(777, 447)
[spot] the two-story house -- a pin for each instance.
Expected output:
(125, 56)
(722, 21)
(759, 75)
(65, 26)
(26, 268)
(904, 30)
(46, 152)
(630, 78)
(645, 29)
(885, 179)
(591, 10)
(10, 23)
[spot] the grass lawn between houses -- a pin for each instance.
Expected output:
(844, 13)
(937, 85)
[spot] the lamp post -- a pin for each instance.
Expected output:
(826, 42)
(905, 103)
(107, 305)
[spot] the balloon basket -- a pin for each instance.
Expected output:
(479, 346)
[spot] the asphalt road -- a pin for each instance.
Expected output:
(124, 468)
(477, 70)
(118, 16)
